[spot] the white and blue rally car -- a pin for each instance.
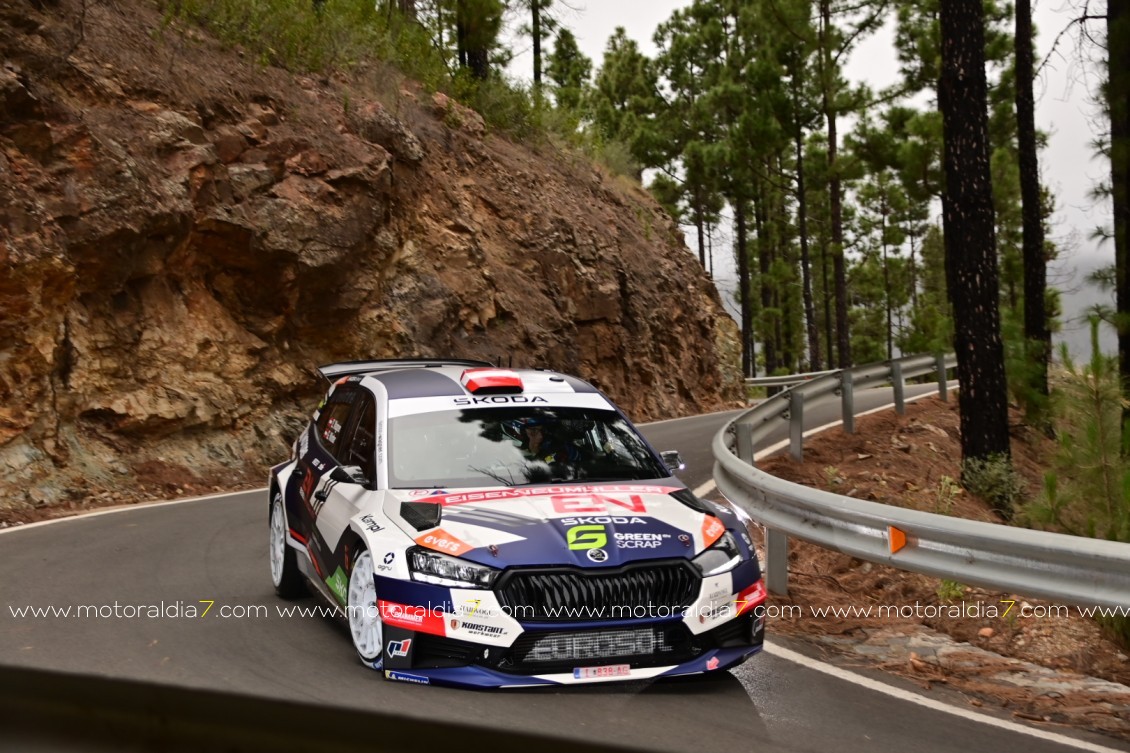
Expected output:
(490, 527)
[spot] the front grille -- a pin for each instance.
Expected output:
(646, 589)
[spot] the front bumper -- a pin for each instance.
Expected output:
(558, 655)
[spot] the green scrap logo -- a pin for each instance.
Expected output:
(586, 537)
(339, 584)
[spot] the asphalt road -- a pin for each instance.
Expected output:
(215, 550)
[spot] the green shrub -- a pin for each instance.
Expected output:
(995, 481)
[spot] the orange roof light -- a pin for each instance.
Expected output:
(491, 381)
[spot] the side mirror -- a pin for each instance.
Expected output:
(349, 474)
(673, 460)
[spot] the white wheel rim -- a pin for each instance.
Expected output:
(278, 541)
(361, 609)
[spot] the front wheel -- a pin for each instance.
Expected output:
(284, 566)
(362, 612)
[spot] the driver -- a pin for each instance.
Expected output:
(539, 442)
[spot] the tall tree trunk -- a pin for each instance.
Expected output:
(814, 362)
(764, 259)
(1036, 332)
(913, 271)
(969, 232)
(743, 286)
(887, 301)
(535, 26)
(827, 294)
(839, 264)
(1118, 95)
(700, 227)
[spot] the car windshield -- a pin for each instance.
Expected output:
(514, 447)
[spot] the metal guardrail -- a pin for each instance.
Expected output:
(1062, 568)
(786, 379)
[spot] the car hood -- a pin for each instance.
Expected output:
(598, 525)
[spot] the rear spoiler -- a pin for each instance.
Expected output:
(334, 371)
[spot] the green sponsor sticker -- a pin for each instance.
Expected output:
(586, 537)
(339, 584)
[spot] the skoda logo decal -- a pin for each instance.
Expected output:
(597, 555)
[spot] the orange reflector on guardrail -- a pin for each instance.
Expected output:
(896, 538)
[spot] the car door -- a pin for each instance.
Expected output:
(338, 501)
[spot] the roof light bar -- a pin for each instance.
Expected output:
(491, 381)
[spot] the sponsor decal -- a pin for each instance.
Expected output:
(339, 584)
(720, 593)
(499, 400)
(388, 558)
(586, 537)
(413, 617)
(304, 444)
(386, 562)
(399, 648)
(712, 663)
(722, 610)
(592, 533)
(611, 670)
(474, 608)
(307, 488)
(604, 520)
(712, 530)
(442, 541)
(371, 525)
(640, 540)
(597, 555)
(333, 428)
(477, 628)
(502, 495)
(575, 503)
(405, 677)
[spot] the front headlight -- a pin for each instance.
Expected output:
(721, 557)
(444, 570)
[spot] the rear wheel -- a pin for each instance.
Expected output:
(284, 566)
(361, 609)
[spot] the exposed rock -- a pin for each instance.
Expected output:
(372, 122)
(182, 243)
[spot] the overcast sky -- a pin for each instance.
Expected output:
(1064, 110)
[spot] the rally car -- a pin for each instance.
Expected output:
(490, 527)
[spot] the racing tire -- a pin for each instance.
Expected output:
(284, 564)
(362, 612)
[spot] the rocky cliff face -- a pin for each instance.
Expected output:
(184, 235)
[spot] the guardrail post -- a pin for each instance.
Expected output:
(745, 443)
(796, 425)
(847, 400)
(776, 562)
(899, 387)
(940, 361)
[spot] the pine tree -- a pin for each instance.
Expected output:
(623, 98)
(1037, 334)
(1118, 105)
(969, 239)
(569, 70)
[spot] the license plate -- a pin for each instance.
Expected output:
(611, 670)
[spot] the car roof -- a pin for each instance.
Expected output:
(422, 378)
